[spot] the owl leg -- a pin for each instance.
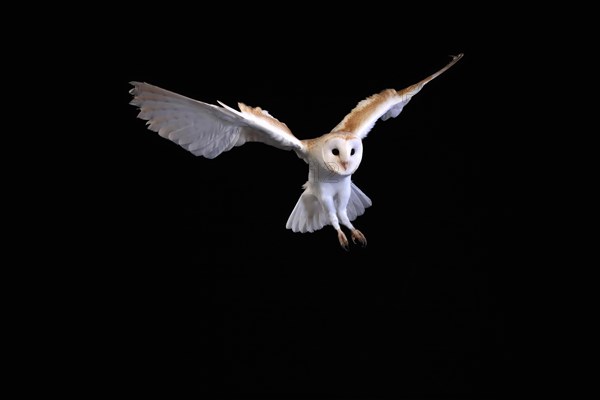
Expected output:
(356, 234)
(333, 219)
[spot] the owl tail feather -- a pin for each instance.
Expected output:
(309, 215)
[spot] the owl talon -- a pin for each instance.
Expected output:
(358, 236)
(343, 240)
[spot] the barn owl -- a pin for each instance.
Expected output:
(329, 197)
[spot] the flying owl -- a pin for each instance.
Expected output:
(330, 197)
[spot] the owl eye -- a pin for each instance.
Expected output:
(335, 152)
(352, 152)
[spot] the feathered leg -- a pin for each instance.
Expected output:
(328, 205)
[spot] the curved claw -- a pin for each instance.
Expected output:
(343, 240)
(358, 236)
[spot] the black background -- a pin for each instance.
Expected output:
(203, 289)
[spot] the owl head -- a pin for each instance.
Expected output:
(341, 154)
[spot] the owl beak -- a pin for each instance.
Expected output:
(344, 165)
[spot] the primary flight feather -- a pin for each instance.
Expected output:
(329, 197)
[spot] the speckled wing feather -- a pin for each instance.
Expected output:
(386, 104)
(205, 129)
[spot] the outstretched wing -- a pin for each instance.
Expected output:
(386, 104)
(205, 129)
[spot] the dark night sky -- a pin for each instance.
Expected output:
(208, 291)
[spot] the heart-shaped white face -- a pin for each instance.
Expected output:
(342, 155)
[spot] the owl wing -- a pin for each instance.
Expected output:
(205, 129)
(386, 104)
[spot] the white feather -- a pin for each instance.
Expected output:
(360, 202)
(308, 215)
(205, 129)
